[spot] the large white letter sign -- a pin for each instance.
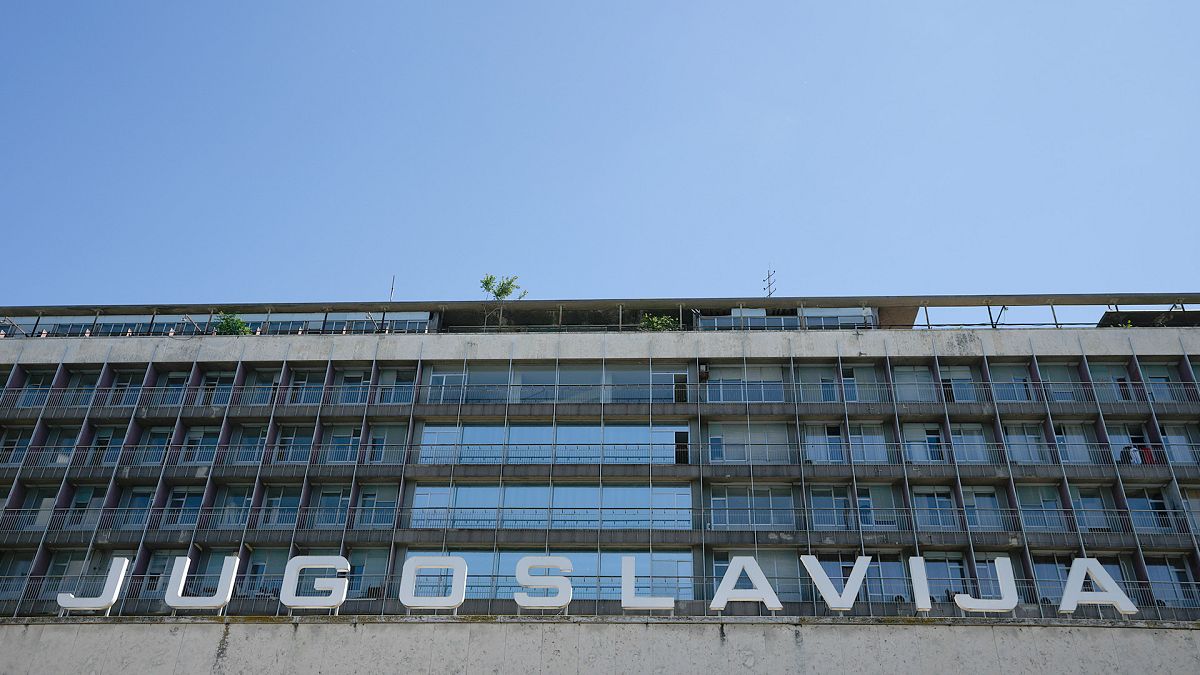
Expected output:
(629, 597)
(458, 582)
(838, 602)
(335, 587)
(179, 571)
(561, 585)
(1109, 594)
(760, 590)
(107, 597)
(1008, 592)
(920, 584)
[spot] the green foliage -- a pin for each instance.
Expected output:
(231, 324)
(501, 289)
(658, 323)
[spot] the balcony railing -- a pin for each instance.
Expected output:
(717, 391)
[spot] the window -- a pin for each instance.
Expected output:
(1026, 443)
(982, 507)
(868, 444)
(200, 445)
(1148, 509)
(923, 443)
(1040, 508)
(183, 506)
(934, 508)
(1076, 444)
(971, 444)
(1011, 383)
(1111, 382)
(830, 507)
(739, 507)
(947, 576)
(914, 384)
(958, 384)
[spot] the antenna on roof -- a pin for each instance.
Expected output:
(392, 290)
(769, 282)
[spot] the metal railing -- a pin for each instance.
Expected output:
(919, 519)
(830, 452)
(716, 391)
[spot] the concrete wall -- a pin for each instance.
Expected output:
(443, 645)
(678, 346)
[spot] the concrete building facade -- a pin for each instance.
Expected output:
(771, 428)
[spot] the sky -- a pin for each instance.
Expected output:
(169, 152)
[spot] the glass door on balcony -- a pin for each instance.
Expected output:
(233, 507)
(816, 384)
(982, 506)
(200, 445)
(1160, 381)
(1040, 507)
(876, 508)
(154, 448)
(1182, 442)
(970, 443)
(377, 506)
(294, 445)
(183, 507)
(105, 447)
(333, 503)
(914, 384)
(133, 508)
(395, 386)
(125, 387)
(59, 445)
(830, 507)
(1011, 383)
(958, 384)
(868, 443)
(84, 511)
(934, 508)
(1076, 444)
(1091, 506)
(305, 387)
(446, 387)
(923, 443)
(14, 444)
(387, 443)
(281, 504)
(1111, 382)
(36, 389)
(215, 389)
(341, 445)
(1061, 381)
(823, 444)
(249, 445)
(1128, 443)
(1026, 443)
(351, 387)
(37, 508)
(1149, 510)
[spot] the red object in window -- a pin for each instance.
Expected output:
(1147, 454)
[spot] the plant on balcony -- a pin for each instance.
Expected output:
(231, 324)
(500, 290)
(658, 323)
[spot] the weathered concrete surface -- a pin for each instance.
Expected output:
(631, 345)
(440, 645)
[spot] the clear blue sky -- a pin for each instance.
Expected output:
(254, 151)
